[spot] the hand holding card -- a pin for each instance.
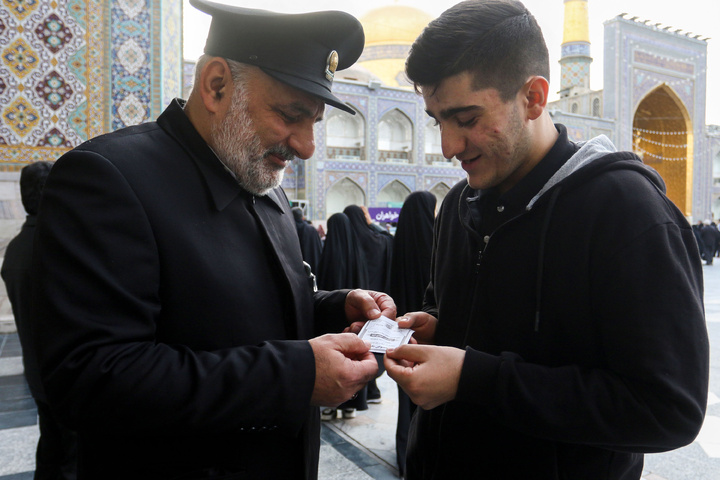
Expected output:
(383, 333)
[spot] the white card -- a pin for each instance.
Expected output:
(383, 333)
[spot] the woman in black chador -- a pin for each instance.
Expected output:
(310, 244)
(409, 279)
(342, 265)
(376, 246)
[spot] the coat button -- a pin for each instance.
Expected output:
(500, 208)
(486, 239)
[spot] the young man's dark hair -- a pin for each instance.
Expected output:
(498, 41)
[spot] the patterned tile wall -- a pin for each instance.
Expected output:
(575, 73)
(73, 69)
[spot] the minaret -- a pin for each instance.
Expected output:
(575, 59)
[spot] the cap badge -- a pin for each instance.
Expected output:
(332, 63)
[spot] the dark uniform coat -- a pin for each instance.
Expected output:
(172, 312)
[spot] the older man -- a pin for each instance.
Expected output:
(173, 309)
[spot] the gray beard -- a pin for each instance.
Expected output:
(237, 144)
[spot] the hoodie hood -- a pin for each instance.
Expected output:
(593, 157)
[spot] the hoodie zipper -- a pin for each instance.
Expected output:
(541, 257)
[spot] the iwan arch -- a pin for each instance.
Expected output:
(662, 136)
(653, 102)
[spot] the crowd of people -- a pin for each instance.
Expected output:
(707, 235)
(177, 332)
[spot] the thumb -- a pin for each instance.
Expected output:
(410, 353)
(351, 344)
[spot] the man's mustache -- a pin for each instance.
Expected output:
(281, 151)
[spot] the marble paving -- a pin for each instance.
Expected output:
(364, 447)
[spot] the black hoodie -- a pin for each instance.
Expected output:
(582, 319)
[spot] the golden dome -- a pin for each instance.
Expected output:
(389, 32)
(394, 24)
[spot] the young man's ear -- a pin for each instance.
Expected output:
(215, 85)
(536, 89)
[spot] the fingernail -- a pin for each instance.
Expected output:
(374, 313)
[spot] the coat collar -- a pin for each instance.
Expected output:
(220, 182)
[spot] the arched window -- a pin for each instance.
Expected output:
(574, 108)
(716, 169)
(344, 193)
(394, 192)
(345, 136)
(433, 146)
(440, 191)
(596, 107)
(395, 134)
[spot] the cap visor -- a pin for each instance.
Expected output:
(309, 87)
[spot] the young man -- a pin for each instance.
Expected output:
(173, 309)
(565, 300)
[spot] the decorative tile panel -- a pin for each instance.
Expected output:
(20, 8)
(53, 32)
(172, 55)
(386, 105)
(386, 179)
(21, 117)
(131, 55)
(73, 69)
(20, 58)
(360, 178)
(54, 90)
